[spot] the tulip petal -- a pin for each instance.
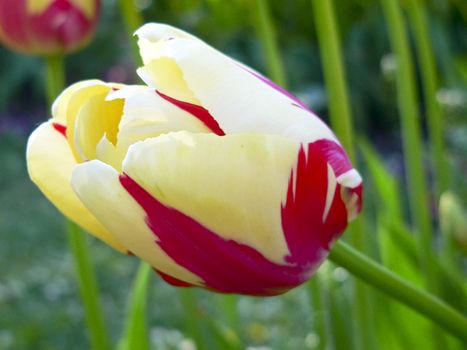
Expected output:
(239, 100)
(60, 105)
(220, 224)
(97, 185)
(234, 185)
(50, 165)
(95, 119)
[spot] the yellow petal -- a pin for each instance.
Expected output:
(234, 185)
(98, 186)
(60, 105)
(50, 164)
(96, 118)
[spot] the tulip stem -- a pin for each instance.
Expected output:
(88, 288)
(388, 282)
(55, 77)
(136, 332)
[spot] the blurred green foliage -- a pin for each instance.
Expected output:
(39, 301)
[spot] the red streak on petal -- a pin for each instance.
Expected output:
(172, 280)
(224, 265)
(302, 214)
(232, 267)
(197, 111)
(60, 128)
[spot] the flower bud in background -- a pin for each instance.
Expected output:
(453, 219)
(210, 172)
(47, 27)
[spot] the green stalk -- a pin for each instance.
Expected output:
(55, 82)
(334, 73)
(136, 333)
(341, 122)
(227, 304)
(133, 20)
(388, 282)
(193, 320)
(266, 33)
(413, 152)
(54, 77)
(418, 19)
(317, 302)
(88, 288)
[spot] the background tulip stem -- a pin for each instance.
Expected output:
(55, 77)
(388, 282)
(55, 82)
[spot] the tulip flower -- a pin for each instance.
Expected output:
(47, 27)
(211, 173)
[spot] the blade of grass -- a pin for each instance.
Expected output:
(317, 302)
(227, 304)
(426, 58)
(193, 319)
(267, 34)
(411, 137)
(55, 81)
(341, 122)
(136, 333)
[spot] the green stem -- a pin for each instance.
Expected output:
(193, 321)
(266, 33)
(133, 20)
(88, 288)
(55, 77)
(136, 333)
(341, 122)
(317, 302)
(391, 284)
(227, 304)
(55, 81)
(411, 137)
(334, 73)
(418, 19)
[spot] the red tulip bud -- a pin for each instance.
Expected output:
(47, 27)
